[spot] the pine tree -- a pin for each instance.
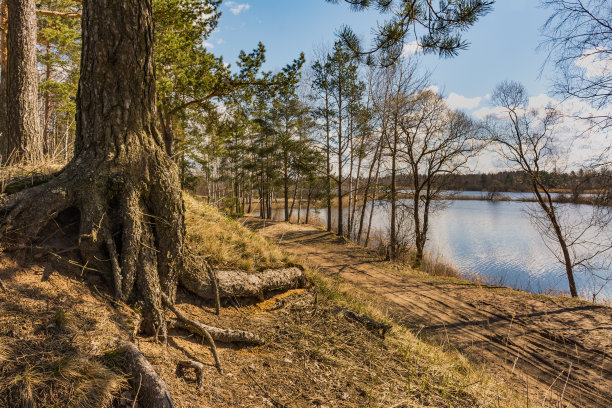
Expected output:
(22, 141)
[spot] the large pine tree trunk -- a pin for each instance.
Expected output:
(121, 180)
(23, 140)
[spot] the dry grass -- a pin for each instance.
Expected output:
(53, 334)
(225, 242)
(440, 376)
(21, 176)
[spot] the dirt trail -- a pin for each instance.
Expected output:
(557, 348)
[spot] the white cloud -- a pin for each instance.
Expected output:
(208, 44)
(237, 8)
(596, 62)
(433, 88)
(220, 41)
(456, 101)
(577, 138)
(485, 111)
(410, 48)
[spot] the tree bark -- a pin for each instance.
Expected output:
(549, 209)
(152, 390)
(123, 184)
(3, 66)
(393, 234)
(23, 140)
(340, 227)
(235, 283)
(366, 192)
(328, 162)
(47, 105)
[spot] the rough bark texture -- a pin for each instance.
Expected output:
(3, 62)
(151, 389)
(198, 367)
(23, 140)
(242, 284)
(216, 333)
(121, 180)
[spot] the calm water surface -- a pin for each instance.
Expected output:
(497, 241)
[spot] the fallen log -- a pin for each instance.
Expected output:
(150, 389)
(235, 283)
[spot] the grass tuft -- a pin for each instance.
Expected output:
(225, 242)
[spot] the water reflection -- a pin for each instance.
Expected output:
(497, 241)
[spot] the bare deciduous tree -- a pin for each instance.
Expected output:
(528, 139)
(436, 141)
(579, 40)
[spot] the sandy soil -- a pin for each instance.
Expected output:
(556, 348)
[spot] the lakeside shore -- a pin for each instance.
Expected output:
(531, 337)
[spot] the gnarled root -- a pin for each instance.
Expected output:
(242, 284)
(223, 335)
(202, 331)
(152, 391)
(196, 366)
(131, 226)
(210, 333)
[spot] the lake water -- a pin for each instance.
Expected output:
(497, 241)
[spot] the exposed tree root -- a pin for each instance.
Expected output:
(202, 330)
(234, 283)
(196, 366)
(223, 335)
(152, 390)
(378, 328)
(215, 282)
(131, 226)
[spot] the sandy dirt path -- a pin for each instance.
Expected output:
(556, 348)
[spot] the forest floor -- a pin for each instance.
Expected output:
(552, 348)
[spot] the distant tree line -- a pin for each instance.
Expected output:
(573, 182)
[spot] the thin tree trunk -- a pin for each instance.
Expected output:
(393, 237)
(3, 72)
(366, 192)
(349, 227)
(340, 221)
(550, 212)
(23, 139)
(328, 169)
(299, 213)
(286, 185)
(293, 199)
(367, 240)
(47, 101)
(308, 204)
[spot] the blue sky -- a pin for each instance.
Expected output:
(503, 46)
(503, 43)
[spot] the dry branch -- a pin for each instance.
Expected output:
(58, 14)
(153, 391)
